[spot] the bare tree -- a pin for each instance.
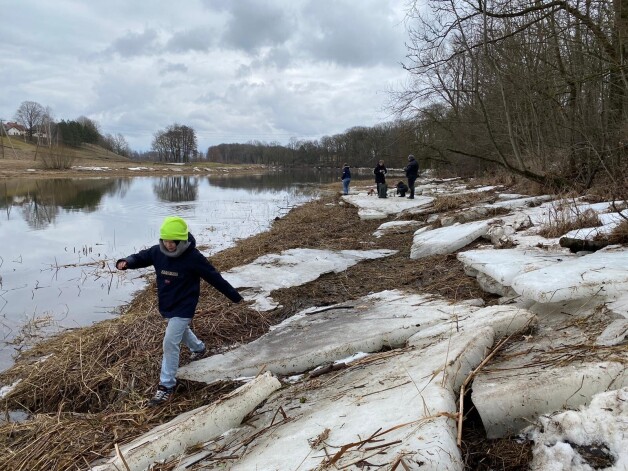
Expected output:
(175, 144)
(30, 115)
(538, 88)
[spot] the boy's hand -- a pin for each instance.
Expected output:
(121, 265)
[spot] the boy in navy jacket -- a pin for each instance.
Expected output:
(179, 267)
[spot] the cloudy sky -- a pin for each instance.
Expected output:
(234, 70)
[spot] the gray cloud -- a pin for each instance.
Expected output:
(254, 25)
(197, 39)
(135, 43)
(169, 67)
(234, 70)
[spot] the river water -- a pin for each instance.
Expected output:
(60, 239)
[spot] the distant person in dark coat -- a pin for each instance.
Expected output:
(380, 172)
(346, 179)
(402, 188)
(179, 267)
(412, 172)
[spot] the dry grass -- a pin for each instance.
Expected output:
(619, 234)
(565, 217)
(452, 202)
(91, 392)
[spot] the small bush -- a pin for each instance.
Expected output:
(55, 159)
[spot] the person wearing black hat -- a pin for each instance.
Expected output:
(412, 172)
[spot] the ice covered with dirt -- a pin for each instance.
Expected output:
(292, 268)
(354, 415)
(311, 338)
(556, 364)
(504, 265)
(446, 239)
(602, 273)
(397, 227)
(372, 207)
(591, 437)
(192, 428)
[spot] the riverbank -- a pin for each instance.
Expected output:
(89, 393)
(25, 160)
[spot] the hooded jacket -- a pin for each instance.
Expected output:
(179, 276)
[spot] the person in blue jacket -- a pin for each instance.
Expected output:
(346, 179)
(179, 267)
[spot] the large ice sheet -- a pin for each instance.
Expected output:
(509, 403)
(446, 239)
(396, 227)
(361, 405)
(506, 264)
(602, 273)
(192, 428)
(307, 340)
(521, 202)
(391, 407)
(371, 207)
(292, 268)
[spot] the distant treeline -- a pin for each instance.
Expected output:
(358, 147)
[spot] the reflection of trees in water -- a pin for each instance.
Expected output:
(176, 189)
(280, 180)
(40, 200)
(39, 213)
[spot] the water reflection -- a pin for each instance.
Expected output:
(62, 236)
(40, 201)
(277, 180)
(176, 189)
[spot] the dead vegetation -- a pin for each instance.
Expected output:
(567, 216)
(86, 390)
(452, 202)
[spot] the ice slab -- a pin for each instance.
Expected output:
(619, 306)
(446, 239)
(371, 207)
(521, 202)
(561, 440)
(192, 428)
(609, 222)
(397, 227)
(509, 403)
(615, 334)
(505, 265)
(503, 320)
(553, 366)
(309, 339)
(292, 268)
(601, 273)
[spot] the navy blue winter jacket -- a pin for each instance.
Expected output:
(179, 278)
(346, 173)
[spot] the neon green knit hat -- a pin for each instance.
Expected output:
(173, 228)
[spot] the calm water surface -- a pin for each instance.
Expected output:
(60, 239)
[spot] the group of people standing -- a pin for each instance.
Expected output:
(380, 171)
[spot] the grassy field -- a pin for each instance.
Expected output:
(24, 159)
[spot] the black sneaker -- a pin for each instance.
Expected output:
(197, 355)
(162, 396)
